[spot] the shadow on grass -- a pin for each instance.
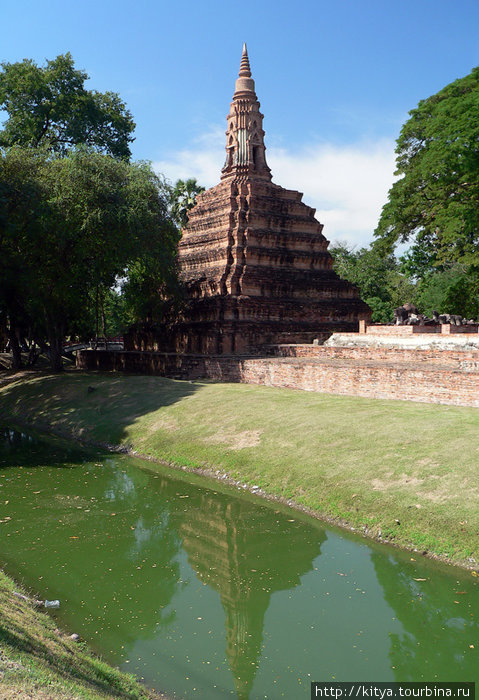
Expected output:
(96, 408)
(42, 363)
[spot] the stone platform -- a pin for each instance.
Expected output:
(439, 337)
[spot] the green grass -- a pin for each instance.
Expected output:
(402, 470)
(38, 661)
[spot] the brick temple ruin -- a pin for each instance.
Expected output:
(259, 278)
(253, 257)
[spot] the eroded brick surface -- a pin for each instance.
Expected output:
(253, 256)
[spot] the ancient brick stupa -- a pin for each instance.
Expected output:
(253, 256)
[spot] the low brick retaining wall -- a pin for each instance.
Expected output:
(378, 381)
(441, 329)
(401, 330)
(329, 370)
(467, 360)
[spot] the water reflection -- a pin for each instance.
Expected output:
(216, 594)
(440, 623)
(92, 536)
(20, 447)
(238, 549)
(110, 539)
(12, 440)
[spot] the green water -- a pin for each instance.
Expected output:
(206, 592)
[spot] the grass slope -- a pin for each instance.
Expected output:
(37, 661)
(405, 471)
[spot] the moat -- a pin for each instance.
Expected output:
(206, 592)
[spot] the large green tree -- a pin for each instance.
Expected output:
(69, 227)
(435, 203)
(49, 105)
(73, 219)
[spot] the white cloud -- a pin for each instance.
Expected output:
(203, 160)
(347, 184)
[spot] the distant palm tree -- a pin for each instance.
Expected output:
(183, 198)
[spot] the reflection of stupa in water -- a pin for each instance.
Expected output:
(246, 553)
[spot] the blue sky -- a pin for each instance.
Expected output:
(335, 79)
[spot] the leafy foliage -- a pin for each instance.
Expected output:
(462, 295)
(378, 277)
(183, 198)
(69, 227)
(435, 204)
(73, 219)
(50, 106)
(433, 290)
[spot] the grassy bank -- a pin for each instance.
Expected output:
(38, 661)
(405, 471)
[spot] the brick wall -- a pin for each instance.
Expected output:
(331, 372)
(454, 359)
(401, 330)
(444, 329)
(446, 386)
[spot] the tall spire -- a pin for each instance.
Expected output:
(244, 82)
(245, 70)
(245, 149)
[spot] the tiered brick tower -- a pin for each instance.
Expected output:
(253, 256)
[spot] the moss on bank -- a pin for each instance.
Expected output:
(39, 661)
(403, 471)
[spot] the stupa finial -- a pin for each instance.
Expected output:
(245, 149)
(245, 70)
(244, 81)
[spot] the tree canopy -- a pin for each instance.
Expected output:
(435, 203)
(76, 219)
(69, 227)
(378, 277)
(50, 106)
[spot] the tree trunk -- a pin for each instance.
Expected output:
(55, 337)
(56, 362)
(14, 345)
(96, 319)
(33, 356)
(103, 320)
